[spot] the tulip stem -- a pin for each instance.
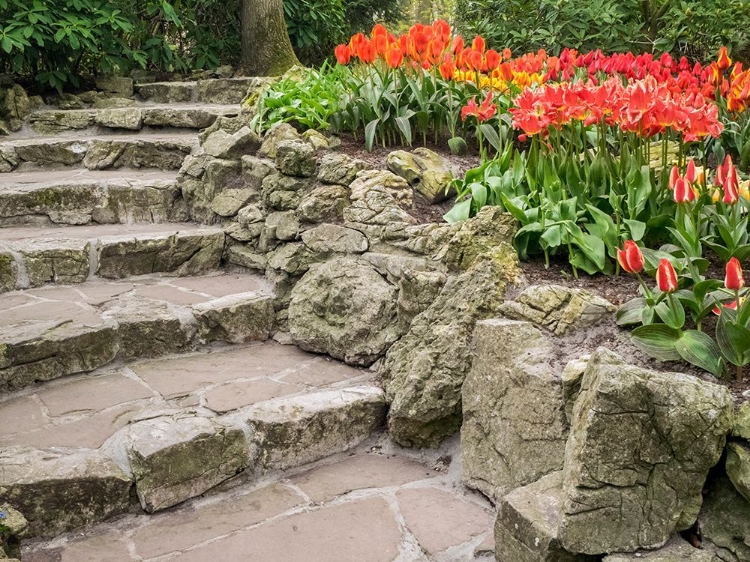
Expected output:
(739, 373)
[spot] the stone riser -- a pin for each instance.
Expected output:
(57, 259)
(85, 202)
(96, 154)
(47, 340)
(128, 118)
(221, 91)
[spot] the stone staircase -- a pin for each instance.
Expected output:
(135, 368)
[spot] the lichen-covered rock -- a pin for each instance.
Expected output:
(381, 181)
(640, 447)
(228, 202)
(676, 550)
(293, 259)
(374, 210)
(8, 272)
(425, 170)
(316, 139)
(181, 118)
(479, 236)
(742, 422)
(245, 257)
(53, 122)
(572, 376)
(282, 225)
(417, 289)
(231, 146)
(211, 178)
(70, 101)
(15, 106)
(128, 118)
(339, 168)
(526, 529)
(118, 85)
(514, 428)
(297, 430)
(59, 261)
(174, 458)
(239, 318)
(323, 204)
(66, 153)
(111, 103)
(329, 238)
(272, 138)
(163, 154)
(295, 158)
(346, 309)
(61, 490)
(557, 308)
(425, 370)
(282, 193)
(167, 92)
(725, 521)
(255, 170)
(738, 467)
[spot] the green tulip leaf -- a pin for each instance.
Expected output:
(699, 349)
(658, 341)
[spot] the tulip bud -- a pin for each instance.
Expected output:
(731, 187)
(724, 61)
(674, 175)
(666, 277)
(691, 175)
(734, 280)
(630, 257)
(683, 191)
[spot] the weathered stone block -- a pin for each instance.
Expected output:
(61, 490)
(292, 431)
(118, 85)
(177, 458)
(236, 318)
(167, 92)
(640, 447)
(425, 170)
(341, 169)
(295, 158)
(514, 428)
(676, 550)
(738, 467)
(221, 144)
(66, 153)
(54, 261)
(725, 521)
(129, 118)
(323, 204)
(272, 138)
(346, 309)
(329, 238)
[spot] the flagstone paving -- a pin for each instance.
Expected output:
(380, 504)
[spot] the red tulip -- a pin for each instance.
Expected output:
(507, 53)
(470, 109)
(683, 191)
(478, 44)
(731, 186)
(724, 61)
(691, 175)
(447, 68)
(630, 258)
(394, 57)
(674, 175)
(666, 277)
(734, 280)
(343, 54)
(492, 58)
(731, 305)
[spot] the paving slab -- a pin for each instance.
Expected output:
(386, 502)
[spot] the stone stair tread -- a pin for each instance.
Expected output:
(56, 331)
(28, 138)
(96, 232)
(32, 179)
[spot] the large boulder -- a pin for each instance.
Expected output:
(272, 138)
(346, 309)
(640, 447)
(296, 158)
(341, 169)
(676, 550)
(514, 428)
(224, 145)
(425, 370)
(478, 237)
(738, 467)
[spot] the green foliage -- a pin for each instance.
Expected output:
(696, 28)
(315, 27)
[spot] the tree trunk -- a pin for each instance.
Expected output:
(266, 48)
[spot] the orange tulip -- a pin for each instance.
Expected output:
(507, 54)
(492, 59)
(447, 68)
(394, 57)
(343, 54)
(366, 52)
(630, 257)
(666, 277)
(478, 44)
(724, 61)
(734, 280)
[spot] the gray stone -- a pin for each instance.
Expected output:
(230, 201)
(417, 290)
(346, 309)
(129, 118)
(295, 158)
(61, 490)
(282, 193)
(236, 231)
(272, 138)
(8, 272)
(572, 376)
(425, 170)
(559, 309)
(160, 154)
(341, 169)
(381, 181)
(167, 92)
(181, 118)
(725, 521)
(328, 238)
(676, 550)
(231, 146)
(255, 170)
(514, 428)
(282, 225)
(66, 153)
(738, 467)
(526, 529)
(117, 85)
(294, 259)
(479, 236)
(742, 421)
(250, 215)
(174, 458)
(297, 430)
(199, 194)
(237, 318)
(229, 91)
(323, 204)
(53, 122)
(425, 370)
(70, 101)
(54, 261)
(640, 447)
(245, 257)
(112, 103)
(316, 139)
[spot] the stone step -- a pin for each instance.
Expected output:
(52, 332)
(145, 150)
(32, 257)
(74, 196)
(217, 91)
(176, 427)
(135, 118)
